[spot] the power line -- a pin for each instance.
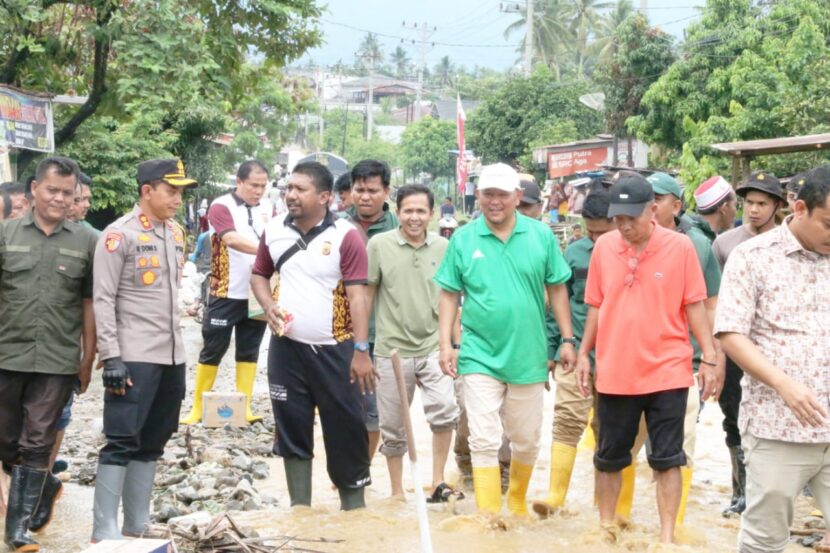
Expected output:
(405, 39)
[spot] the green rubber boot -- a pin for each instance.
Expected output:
(298, 477)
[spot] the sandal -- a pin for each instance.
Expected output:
(443, 493)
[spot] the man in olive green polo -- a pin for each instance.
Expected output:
(45, 310)
(402, 263)
(502, 263)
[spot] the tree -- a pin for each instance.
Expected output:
(425, 146)
(176, 68)
(444, 72)
(89, 46)
(552, 38)
(582, 26)
(605, 45)
(370, 53)
(642, 54)
(400, 60)
(503, 126)
(744, 74)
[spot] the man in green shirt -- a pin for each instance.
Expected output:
(45, 309)
(402, 263)
(502, 262)
(370, 213)
(571, 409)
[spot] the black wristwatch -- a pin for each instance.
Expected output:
(571, 341)
(456, 346)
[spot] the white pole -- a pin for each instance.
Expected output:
(529, 39)
(420, 500)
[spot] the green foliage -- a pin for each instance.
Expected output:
(641, 55)
(744, 73)
(509, 120)
(166, 76)
(425, 146)
(109, 151)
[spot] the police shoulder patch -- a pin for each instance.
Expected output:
(113, 241)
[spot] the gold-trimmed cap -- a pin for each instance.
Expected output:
(170, 171)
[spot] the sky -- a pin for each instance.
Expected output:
(470, 32)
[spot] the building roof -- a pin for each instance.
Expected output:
(775, 145)
(448, 109)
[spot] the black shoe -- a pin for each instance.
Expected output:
(24, 495)
(52, 490)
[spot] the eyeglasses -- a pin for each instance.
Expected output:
(632, 266)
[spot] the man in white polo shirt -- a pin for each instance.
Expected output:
(236, 223)
(319, 355)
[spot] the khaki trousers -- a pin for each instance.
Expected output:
(572, 409)
(490, 402)
(776, 472)
(437, 396)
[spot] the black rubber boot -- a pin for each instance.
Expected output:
(351, 498)
(45, 509)
(24, 495)
(738, 504)
(298, 478)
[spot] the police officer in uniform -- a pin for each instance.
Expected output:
(138, 265)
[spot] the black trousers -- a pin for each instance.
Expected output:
(139, 424)
(302, 377)
(30, 407)
(730, 402)
(222, 316)
(619, 422)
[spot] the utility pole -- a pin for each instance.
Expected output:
(320, 100)
(529, 39)
(530, 15)
(369, 101)
(424, 45)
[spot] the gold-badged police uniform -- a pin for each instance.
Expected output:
(139, 268)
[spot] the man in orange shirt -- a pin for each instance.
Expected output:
(648, 278)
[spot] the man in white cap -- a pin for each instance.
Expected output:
(716, 206)
(502, 263)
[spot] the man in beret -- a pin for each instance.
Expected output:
(138, 267)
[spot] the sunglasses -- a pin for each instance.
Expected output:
(632, 269)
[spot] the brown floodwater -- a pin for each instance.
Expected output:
(391, 526)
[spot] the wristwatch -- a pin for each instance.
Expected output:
(571, 341)
(456, 346)
(361, 346)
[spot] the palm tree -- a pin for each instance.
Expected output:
(582, 26)
(552, 36)
(444, 71)
(400, 60)
(604, 46)
(370, 54)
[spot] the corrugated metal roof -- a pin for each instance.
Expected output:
(775, 145)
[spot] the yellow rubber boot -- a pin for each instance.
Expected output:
(517, 489)
(562, 458)
(487, 488)
(686, 476)
(205, 377)
(245, 376)
(588, 441)
(626, 498)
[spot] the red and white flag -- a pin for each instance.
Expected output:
(461, 164)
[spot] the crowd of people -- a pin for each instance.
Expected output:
(647, 314)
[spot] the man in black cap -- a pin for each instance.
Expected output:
(763, 196)
(793, 187)
(138, 267)
(530, 204)
(643, 276)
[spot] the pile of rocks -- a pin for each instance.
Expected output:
(203, 469)
(213, 470)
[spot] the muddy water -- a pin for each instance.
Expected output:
(391, 526)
